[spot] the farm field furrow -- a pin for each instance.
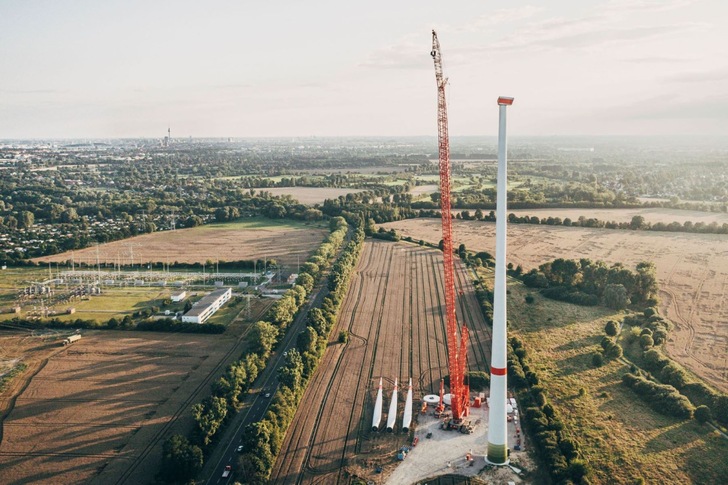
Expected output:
(692, 270)
(247, 239)
(93, 410)
(394, 315)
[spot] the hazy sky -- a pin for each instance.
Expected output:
(113, 68)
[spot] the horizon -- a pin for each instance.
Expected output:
(90, 70)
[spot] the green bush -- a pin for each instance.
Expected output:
(703, 414)
(662, 398)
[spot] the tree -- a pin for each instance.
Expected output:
(638, 222)
(263, 337)
(26, 220)
(703, 414)
(181, 461)
(209, 415)
(306, 281)
(611, 328)
(597, 359)
(646, 342)
(291, 373)
(615, 296)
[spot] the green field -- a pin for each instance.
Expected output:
(621, 438)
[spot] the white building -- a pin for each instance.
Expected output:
(178, 296)
(207, 306)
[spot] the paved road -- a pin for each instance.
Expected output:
(256, 404)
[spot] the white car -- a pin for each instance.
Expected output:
(239, 449)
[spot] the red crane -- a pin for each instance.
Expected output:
(456, 347)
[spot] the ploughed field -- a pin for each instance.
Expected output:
(394, 313)
(248, 239)
(97, 410)
(692, 270)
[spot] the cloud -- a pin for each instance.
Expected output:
(674, 107)
(656, 60)
(631, 6)
(502, 16)
(720, 75)
(587, 32)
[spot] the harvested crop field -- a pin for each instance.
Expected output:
(249, 239)
(651, 215)
(311, 195)
(395, 317)
(692, 271)
(97, 410)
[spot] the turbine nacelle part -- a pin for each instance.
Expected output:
(505, 101)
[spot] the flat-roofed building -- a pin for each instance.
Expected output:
(207, 306)
(178, 296)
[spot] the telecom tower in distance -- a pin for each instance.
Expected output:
(167, 139)
(497, 425)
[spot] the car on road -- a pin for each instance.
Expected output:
(239, 449)
(226, 472)
(267, 394)
(285, 354)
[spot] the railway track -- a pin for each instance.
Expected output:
(180, 410)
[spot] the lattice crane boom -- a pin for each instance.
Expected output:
(455, 346)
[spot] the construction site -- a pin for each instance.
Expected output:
(412, 316)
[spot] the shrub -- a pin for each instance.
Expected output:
(703, 414)
(611, 328)
(597, 359)
(530, 299)
(662, 398)
(646, 342)
(343, 336)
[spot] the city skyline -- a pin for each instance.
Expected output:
(242, 69)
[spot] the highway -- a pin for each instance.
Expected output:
(256, 404)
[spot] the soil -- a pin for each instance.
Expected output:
(394, 313)
(97, 411)
(287, 245)
(692, 271)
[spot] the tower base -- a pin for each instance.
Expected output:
(497, 454)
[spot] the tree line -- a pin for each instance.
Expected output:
(184, 456)
(264, 439)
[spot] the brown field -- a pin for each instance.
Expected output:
(286, 242)
(97, 411)
(310, 195)
(625, 215)
(692, 270)
(394, 315)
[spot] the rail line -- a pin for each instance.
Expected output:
(181, 409)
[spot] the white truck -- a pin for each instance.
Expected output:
(71, 339)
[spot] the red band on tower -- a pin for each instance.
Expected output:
(498, 371)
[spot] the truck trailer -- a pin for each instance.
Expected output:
(71, 339)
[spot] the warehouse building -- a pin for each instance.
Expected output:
(207, 306)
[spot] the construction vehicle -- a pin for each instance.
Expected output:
(456, 343)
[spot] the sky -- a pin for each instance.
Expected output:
(239, 68)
